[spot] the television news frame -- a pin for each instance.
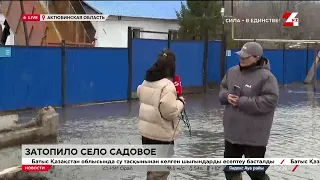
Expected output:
(169, 41)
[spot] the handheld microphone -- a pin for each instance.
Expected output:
(184, 117)
(177, 84)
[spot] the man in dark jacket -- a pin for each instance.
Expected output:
(250, 92)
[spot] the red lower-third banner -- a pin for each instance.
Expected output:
(36, 168)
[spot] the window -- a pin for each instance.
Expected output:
(136, 32)
(174, 34)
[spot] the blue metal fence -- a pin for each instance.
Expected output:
(96, 75)
(144, 54)
(189, 62)
(32, 76)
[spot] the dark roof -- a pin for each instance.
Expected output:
(89, 9)
(148, 18)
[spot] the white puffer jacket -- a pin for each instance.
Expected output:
(159, 110)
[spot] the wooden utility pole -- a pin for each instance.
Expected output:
(223, 48)
(24, 24)
(315, 63)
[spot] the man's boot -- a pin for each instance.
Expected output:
(233, 176)
(157, 175)
(266, 177)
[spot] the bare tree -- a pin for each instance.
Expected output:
(308, 13)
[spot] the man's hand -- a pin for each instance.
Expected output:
(233, 99)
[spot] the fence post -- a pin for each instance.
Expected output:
(223, 56)
(283, 63)
(169, 39)
(63, 73)
(315, 67)
(129, 64)
(307, 61)
(205, 61)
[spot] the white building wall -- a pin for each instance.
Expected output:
(10, 39)
(113, 32)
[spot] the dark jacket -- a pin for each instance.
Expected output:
(250, 122)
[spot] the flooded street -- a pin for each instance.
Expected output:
(295, 133)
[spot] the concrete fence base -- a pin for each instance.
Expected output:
(15, 173)
(44, 126)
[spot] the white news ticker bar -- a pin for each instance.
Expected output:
(171, 161)
(280, 40)
(73, 17)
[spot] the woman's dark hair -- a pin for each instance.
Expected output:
(164, 67)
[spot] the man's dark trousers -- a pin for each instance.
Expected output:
(237, 151)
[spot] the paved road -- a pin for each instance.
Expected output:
(295, 133)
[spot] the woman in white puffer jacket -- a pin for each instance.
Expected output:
(160, 107)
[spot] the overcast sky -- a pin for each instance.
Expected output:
(154, 9)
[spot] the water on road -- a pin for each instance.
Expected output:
(295, 133)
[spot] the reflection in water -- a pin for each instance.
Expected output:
(295, 133)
